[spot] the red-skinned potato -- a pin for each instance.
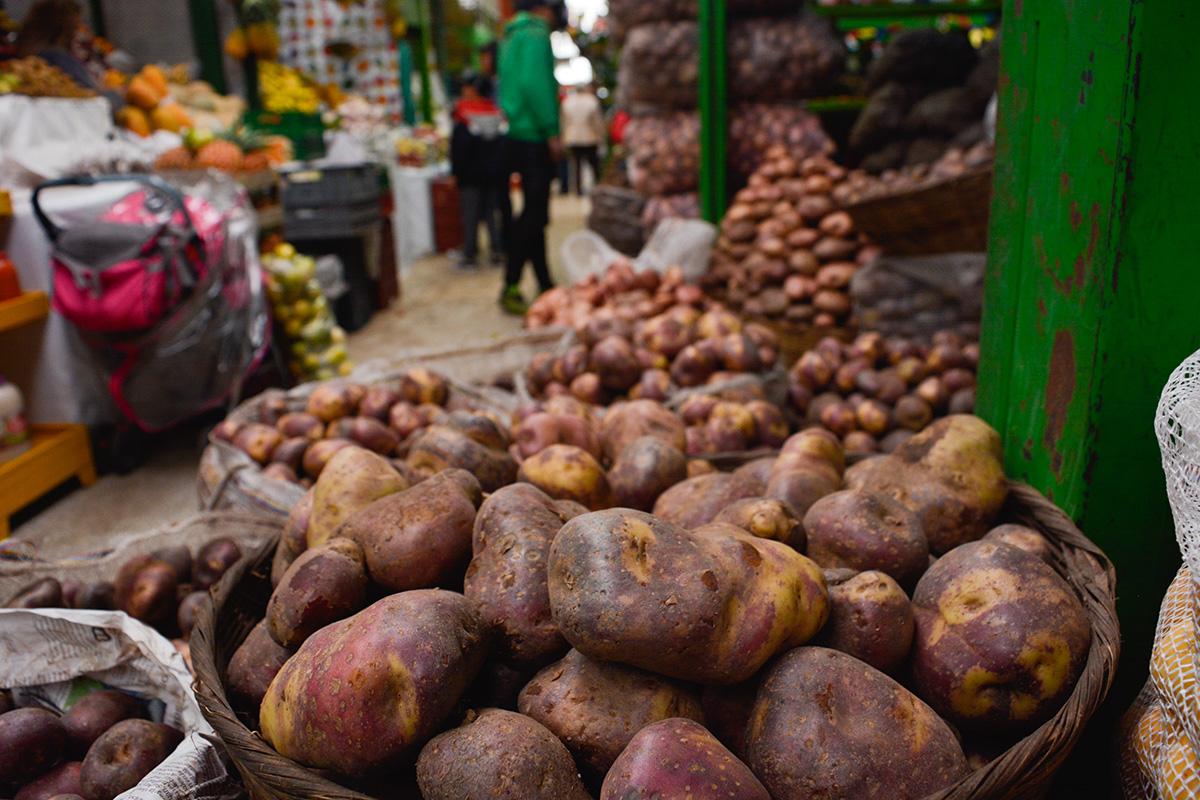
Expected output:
(185, 617)
(678, 758)
(294, 539)
(420, 537)
(31, 741)
(766, 519)
(615, 595)
(329, 401)
(42, 593)
(613, 359)
(645, 469)
(373, 435)
(125, 754)
(300, 424)
(63, 779)
(1025, 538)
(151, 595)
(422, 385)
(808, 468)
(827, 725)
(420, 649)
(258, 441)
(627, 421)
(93, 714)
(1001, 638)
(273, 406)
(377, 402)
(326, 583)
(353, 479)
(655, 384)
(212, 561)
(226, 429)
(253, 666)
(538, 431)
(870, 618)
(697, 501)
(405, 418)
(290, 453)
(951, 475)
(507, 574)
(498, 753)
(318, 454)
(595, 707)
(864, 530)
(566, 472)
(441, 447)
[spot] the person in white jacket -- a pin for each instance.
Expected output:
(583, 131)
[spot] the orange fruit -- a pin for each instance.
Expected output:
(235, 45)
(141, 93)
(157, 78)
(175, 158)
(1179, 778)
(1173, 665)
(1148, 737)
(134, 119)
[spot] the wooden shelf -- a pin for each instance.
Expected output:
(58, 452)
(18, 311)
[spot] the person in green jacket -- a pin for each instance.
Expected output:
(529, 98)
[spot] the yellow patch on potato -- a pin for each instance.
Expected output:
(975, 593)
(968, 698)
(636, 558)
(1048, 659)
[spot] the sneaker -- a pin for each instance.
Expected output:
(512, 301)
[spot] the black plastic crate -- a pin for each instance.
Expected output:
(330, 187)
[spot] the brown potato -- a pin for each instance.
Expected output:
(1025, 538)
(645, 469)
(42, 593)
(827, 725)
(1001, 638)
(185, 617)
(300, 424)
(498, 753)
(870, 618)
(125, 754)
(326, 583)
(151, 594)
(294, 539)
(180, 559)
(253, 666)
(421, 537)
(318, 454)
(679, 758)
(258, 441)
(420, 649)
(354, 478)
(422, 385)
(93, 714)
(32, 740)
(697, 501)
(627, 421)
(615, 595)
(213, 560)
(540, 430)
(568, 473)
(329, 401)
(865, 530)
(595, 707)
(766, 519)
(440, 447)
(377, 402)
(62, 780)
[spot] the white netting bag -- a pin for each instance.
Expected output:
(1159, 737)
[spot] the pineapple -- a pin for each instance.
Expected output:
(220, 154)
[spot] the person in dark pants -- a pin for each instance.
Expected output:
(475, 162)
(529, 97)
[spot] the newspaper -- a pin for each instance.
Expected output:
(47, 654)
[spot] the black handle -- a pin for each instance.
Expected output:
(153, 181)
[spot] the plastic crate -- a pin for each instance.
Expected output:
(305, 131)
(332, 222)
(331, 187)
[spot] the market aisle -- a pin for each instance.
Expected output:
(439, 308)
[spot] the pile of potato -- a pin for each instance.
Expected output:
(954, 163)
(102, 746)
(792, 629)
(387, 418)
(620, 292)
(786, 251)
(161, 588)
(754, 128)
(681, 347)
(663, 152)
(876, 393)
(769, 60)
(627, 14)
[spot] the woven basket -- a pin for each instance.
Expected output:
(1024, 771)
(946, 217)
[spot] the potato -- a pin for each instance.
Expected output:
(63, 779)
(377, 402)
(294, 539)
(125, 754)
(98, 595)
(6, 701)
(213, 560)
(615, 593)
(422, 385)
(180, 559)
(595, 707)
(678, 759)
(538, 431)
(372, 434)
(440, 447)
(253, 666)
(32, 740)
(1000, 640)
(567, 472)
(353, 479)
(42, 593)
(326, 583)
(329, 401)
(766, 519)
(507, 574)
(300, 424)
(951, 475)
(497, 753)
(185, 616)
(827, 725)
(421, 537)
(865, 530)
(1025, 538)
(625, 422)
(151, 594)
(366, 692)
(93, 714)
(319, 453)
(697, 501)
(480, 428)
(870, 618)
(645, 469)
(258, 441)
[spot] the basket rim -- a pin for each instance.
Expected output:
(917, 192)
(1025, 769)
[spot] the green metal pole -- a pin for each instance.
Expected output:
(98, 26)
(206, 38)
(424, 46)
(404, 55)
(713, 116)
(1090, 296)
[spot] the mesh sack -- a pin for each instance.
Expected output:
(1156, 737)
(664, 153)
(672, 206)
(918, 296)
(754, 128)
(628, 14)
(660, 66)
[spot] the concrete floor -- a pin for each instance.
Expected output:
(438, 308)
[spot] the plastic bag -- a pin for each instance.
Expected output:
(687, 243)
(616, 216)
(672, 206)
(917, 297)
(586, 253)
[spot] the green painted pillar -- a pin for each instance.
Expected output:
(423, 49)
(206, 38)
(713, 116)
(1091, 295)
